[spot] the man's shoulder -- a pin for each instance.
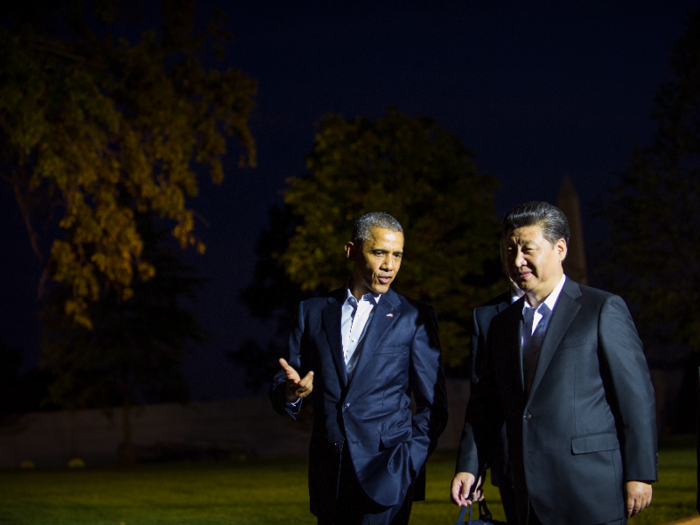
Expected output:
(499, 300)
(594, 301)
(483, 314)
(509, 313)
(505, 297)
(321, 300)
(588, 293)
(407, 303)
(395, 299)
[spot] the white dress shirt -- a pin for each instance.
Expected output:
(535, 324)
(353, 323)
(550, 301)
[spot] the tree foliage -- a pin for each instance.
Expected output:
(134, 353)
(653, 255)
(273, 297)
(108, 129)
(425, 177)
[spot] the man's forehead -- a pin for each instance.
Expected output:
(383, 236)
(524, 235)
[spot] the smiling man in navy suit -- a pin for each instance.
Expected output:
(363, 350)
(565, 370)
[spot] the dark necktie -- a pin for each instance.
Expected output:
(532, 342)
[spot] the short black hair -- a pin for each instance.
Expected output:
(551, 219)
(376, 219)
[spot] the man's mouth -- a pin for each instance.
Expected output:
(384, 280)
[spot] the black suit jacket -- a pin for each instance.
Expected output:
(588, 424)
(369, 415)
(482, 316)
(497, 457)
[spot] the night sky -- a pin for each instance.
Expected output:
(536, 89)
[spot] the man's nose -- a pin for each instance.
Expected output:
(388, 263)
(519, 259)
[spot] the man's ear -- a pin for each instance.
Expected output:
(350, 251)
(562, 249)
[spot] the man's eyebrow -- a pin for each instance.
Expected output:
(384, 250)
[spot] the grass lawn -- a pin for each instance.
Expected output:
(259, 493)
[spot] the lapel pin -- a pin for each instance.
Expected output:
(390, 315)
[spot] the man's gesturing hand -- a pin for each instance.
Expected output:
(638, 494)
(461, 486)
(296, 387)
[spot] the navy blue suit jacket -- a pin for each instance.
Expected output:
(588, 423)
(369, 415)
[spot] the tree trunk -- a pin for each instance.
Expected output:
(127, 451)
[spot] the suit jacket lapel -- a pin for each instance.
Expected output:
(332, 314)
(384, 316)
(564, 312)
(517, 337)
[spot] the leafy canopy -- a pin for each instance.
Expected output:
(105, 129)
(653, 256)
(134, 353)
(425, 177)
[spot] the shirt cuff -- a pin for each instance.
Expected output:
(293, 408)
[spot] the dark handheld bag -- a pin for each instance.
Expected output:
(484, 516)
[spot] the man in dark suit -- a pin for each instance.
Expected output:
(362, 350)
(565, 370)
(497, 461)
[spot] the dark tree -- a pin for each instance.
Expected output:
(133, 354)
(652, 257)
(20, 392)
(418, 172)
(104, 124)
(272, 297)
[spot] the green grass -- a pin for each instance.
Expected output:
(260, 492)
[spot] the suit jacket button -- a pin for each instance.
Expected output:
(346, 405)
(527, 416)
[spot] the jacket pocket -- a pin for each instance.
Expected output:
(594, 443)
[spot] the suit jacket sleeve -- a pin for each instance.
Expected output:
(277, 394)
(625, 368)
(428, 386)
(483, 419)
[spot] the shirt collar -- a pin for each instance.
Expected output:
(365, 297)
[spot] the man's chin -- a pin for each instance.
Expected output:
(381, 288)
(523, 286)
